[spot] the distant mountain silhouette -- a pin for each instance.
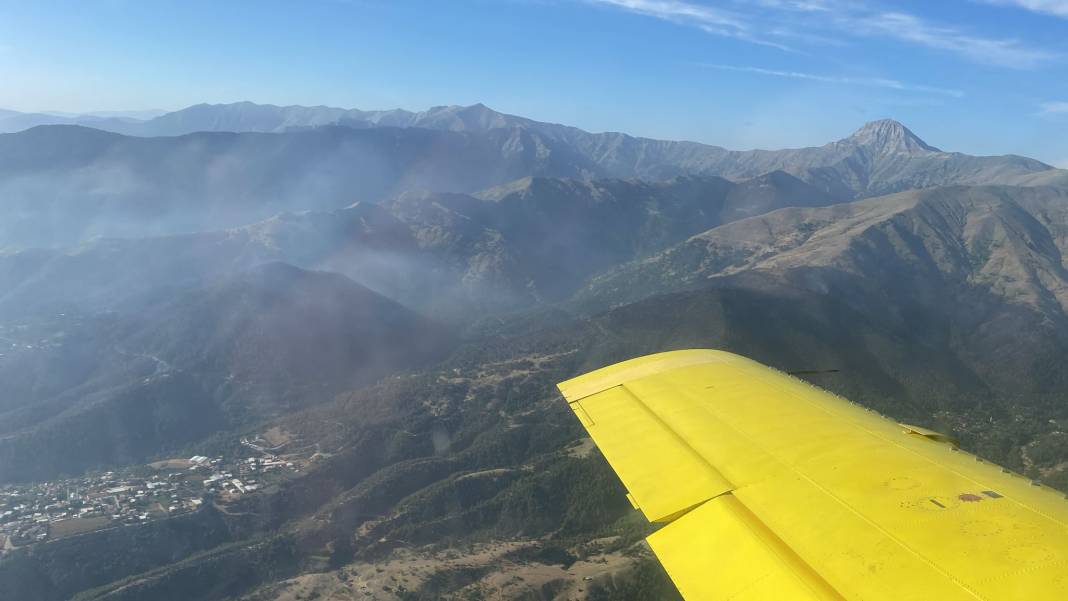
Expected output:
(206, 176)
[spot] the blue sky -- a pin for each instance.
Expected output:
(981, 76)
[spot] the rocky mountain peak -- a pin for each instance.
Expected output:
(888, 136)
(477, 117)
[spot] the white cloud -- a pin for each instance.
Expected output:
(877, 82)
(1055, 107)
(910, 28)
(830, 21)
(677, 10)
(706, 18)
(797, 5)
(1050, 7)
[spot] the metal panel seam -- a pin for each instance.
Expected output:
(835, 497)
(913, 452)
(787, 554)
(711, 468)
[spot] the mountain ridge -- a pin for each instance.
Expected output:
(200, 358)
(238, 117)
(619, 154)
(92, 183)
(1007, 241)
(534, 240)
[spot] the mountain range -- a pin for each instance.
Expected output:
(399, 292)
(62, 184)
(538, 240)
(534, 240)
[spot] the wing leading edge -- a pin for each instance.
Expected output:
(770, 488)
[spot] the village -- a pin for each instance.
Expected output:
(39, 512)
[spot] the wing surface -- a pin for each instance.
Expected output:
(770, 488)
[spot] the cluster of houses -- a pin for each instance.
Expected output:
(48, 510)
(35, 513)
(241, 478)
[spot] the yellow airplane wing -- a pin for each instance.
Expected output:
(772, 489)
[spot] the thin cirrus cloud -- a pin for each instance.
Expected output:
(710, 20)
(678, 10)
(1050, 7)
(910, 28)
(877, 82)
(817, 21)
(1057, 107)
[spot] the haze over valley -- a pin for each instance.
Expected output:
(360, 317)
